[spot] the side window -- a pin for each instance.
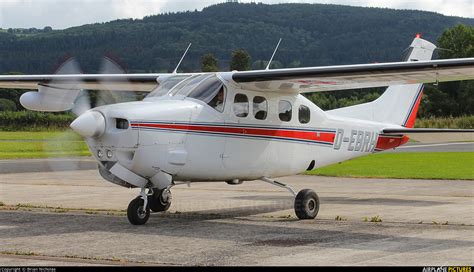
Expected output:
(218, 101)
(284, 110)
(260, 107)
(304, 114)
(241, 105)
(210, 91)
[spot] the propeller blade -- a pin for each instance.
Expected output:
(82, 103)
(109, 96)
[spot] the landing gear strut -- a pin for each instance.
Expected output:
(306, 201)
(156, 200)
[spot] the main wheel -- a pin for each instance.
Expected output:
(136, 213)
(306, 204)
(160, 201)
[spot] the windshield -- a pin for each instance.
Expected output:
(206, 87)
(167, 85)
(186, 86)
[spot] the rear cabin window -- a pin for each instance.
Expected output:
(241, 105)
(284, 110)
(260, 107)
(304, 114)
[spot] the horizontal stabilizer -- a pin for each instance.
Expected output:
(430, 135)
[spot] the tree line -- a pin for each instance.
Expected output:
(446, 99)
(313, 35)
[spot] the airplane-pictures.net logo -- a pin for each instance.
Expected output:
(448, 269)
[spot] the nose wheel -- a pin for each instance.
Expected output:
(138, 211)
(155, 200)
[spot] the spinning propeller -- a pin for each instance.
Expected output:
(68, 141)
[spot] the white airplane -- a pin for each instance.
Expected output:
(240, 126)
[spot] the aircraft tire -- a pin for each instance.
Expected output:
(306, 204)
(134, 213)
(156, 203)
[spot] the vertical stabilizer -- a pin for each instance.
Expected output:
(399, 103)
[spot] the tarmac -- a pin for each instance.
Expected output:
(77, 218)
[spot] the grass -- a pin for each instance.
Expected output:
(39, 135)
(30, 253)
(32, 207)
(442, 165)
(373, 219)
(19, 144)
(461, 122)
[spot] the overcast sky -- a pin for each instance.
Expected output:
(67, 13)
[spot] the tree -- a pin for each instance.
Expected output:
(454, 98)
(209, 63)
(7, 105)
(240, 60)
(47, 29)
(459, 42)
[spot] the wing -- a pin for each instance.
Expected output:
(119, 82)
(429, 135)
(58, 92)
(330, 78)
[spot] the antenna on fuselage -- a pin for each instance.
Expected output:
(179, 63)
(270, 61)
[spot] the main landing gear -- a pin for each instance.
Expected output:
(306, 201)
(155, 200)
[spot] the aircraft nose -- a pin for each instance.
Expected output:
(89, 124)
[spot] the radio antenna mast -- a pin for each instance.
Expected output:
(179, 63)
(270, 61)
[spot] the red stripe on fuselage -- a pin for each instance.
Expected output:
(327, 137)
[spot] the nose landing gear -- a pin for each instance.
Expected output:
(155, 200)
(138, 210)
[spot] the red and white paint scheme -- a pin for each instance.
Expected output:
(238, 126)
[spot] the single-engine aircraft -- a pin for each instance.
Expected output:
(240, 125)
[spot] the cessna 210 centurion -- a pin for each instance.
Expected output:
(240, 125)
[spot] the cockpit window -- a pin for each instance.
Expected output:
(211, 91)
(206, 87)
(166, 85)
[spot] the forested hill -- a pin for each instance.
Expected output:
(313, 34)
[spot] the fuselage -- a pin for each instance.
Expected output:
(251, 135)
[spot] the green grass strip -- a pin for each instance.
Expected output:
(20, 144)
(429, 165)
(40, 135)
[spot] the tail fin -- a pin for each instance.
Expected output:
(399, 103)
